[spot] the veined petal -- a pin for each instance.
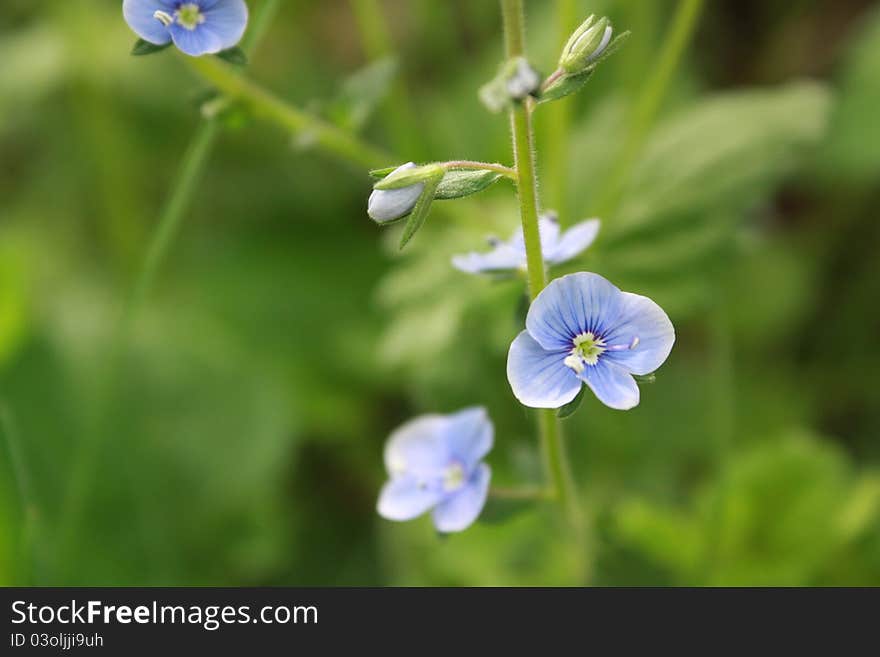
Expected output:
(573, 242)
(459, 511)
(139, 16)
(538, 377)
(642, 318)
(226, 19)
(612, 385)
(571, 305)
(197, 42)
(419, 447)
(469, 435)
(404, 498)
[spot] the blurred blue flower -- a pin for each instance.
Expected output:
(434, 462)
(386, 205)
(557, 247)
(582, 329)
(197, 27)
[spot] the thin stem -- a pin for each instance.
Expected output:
(23, 486)
(556, 460)
(263, 103)
(466, 165)
(645, 110)
(521, 493)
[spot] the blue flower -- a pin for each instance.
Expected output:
(582, 329)
(197, 27)
(434, 462)
(556, 247)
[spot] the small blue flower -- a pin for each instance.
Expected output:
(556, 247)
(197, 27)
(582, 329)
(435, 462)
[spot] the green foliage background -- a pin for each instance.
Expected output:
(286, 336)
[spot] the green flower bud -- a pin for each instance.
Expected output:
(585, 45)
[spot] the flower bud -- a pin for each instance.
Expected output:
(389, 204)
(586, 45)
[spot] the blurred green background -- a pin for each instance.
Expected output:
(240, 440)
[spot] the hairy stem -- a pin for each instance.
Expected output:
(556, 460)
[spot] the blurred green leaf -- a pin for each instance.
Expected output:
(361, 94)
(457, 184)
(142, 47)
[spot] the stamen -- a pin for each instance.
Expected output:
(624, 347)
(163, 17)
(453, 476)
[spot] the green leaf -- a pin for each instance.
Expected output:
(142, 47)
(234, 56)
(362, 93)
(569, 409)
(456, 184)
(417, 217)
(411, 176)
(565, 86)
(381, 173)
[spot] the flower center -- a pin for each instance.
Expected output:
(189, 15)
(453, 477)
(586, 351)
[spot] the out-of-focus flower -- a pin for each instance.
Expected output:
(387, 205)
(556, 246)
(435, 462)
(197, 27)
(582, 329)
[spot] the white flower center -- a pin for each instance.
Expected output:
(189, 15)
(453, 477)
(586, 351)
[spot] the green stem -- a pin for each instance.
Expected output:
(556, 460)
(466, 165)
(263, 103)
(520, 493)
(645, 110)
(23, 485)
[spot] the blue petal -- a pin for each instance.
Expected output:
(139, 16)
(469, 435)
(404, 498)
(612, 385)
(197, 42)
(226, 19)
(641, 317)
(570, 305)
(501, 258)
(390, 204)
(573, 242)
(539, 378)
(419, 447)
(459, 511)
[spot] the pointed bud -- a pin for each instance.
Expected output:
(387, 205)
(586, 45)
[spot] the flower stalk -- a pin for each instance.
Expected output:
(555, 458)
